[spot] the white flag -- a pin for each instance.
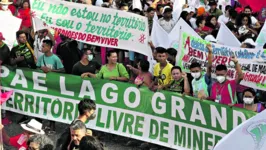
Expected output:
(136, 4)
(9, 27)
(38, 24)
(161, 38)
(261, 39)
(226, 37)
(250, 135)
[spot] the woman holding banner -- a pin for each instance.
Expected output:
(112, 70)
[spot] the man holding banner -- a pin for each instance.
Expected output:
(224, 91)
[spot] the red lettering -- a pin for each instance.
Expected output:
(195, 53)
(98, 39)
(116, 42)
(187, 42)
(93, 38)
(254, 78)
(79, 36)
(88, 38)
(108, 41)
(190, 51)
(224, 60)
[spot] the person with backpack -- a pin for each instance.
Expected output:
(112, 70)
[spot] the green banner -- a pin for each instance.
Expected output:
(163, 118)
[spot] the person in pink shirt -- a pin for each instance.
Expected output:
(224, 90)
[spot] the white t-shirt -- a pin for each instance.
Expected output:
(253, 20)
(167, 25)
(223, 19)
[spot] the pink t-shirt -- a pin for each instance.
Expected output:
(223, 91)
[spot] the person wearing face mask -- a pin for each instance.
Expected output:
(201, 82)
(249, 98)
(86, 108)
(86, 65)
(224, 91)
(4, 7)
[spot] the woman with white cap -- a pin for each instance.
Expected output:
(20, 141)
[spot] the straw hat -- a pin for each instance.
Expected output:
(5, 2)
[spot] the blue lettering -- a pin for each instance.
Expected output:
(244, 54)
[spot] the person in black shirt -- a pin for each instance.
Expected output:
(85, 65)
(69, 53)
(4, 51)
(77, 131)
(21, 55)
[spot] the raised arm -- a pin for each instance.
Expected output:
(238, 70)
(209, 67)
(186, 84)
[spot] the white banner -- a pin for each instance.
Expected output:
(9, 26)
(95, 25)
(250, 135)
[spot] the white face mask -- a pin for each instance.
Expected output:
(248, 100)
(4, 7)
(195, 75)
(220, 79)
(90, 57)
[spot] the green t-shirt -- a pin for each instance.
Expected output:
(52, 62)
(118, 71)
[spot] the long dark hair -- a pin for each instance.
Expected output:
(208, 22)
(184, 15)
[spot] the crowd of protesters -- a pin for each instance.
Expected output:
(42, 50)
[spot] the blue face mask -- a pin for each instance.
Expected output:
(90, 57)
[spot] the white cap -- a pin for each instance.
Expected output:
(189, 9)
(250, 41)
(165, 9)
(210, 38)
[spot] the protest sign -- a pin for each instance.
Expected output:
(252, 61)
(250, 135)
(230, 39)
(9, 27)
(95, 25)
(164, 118)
